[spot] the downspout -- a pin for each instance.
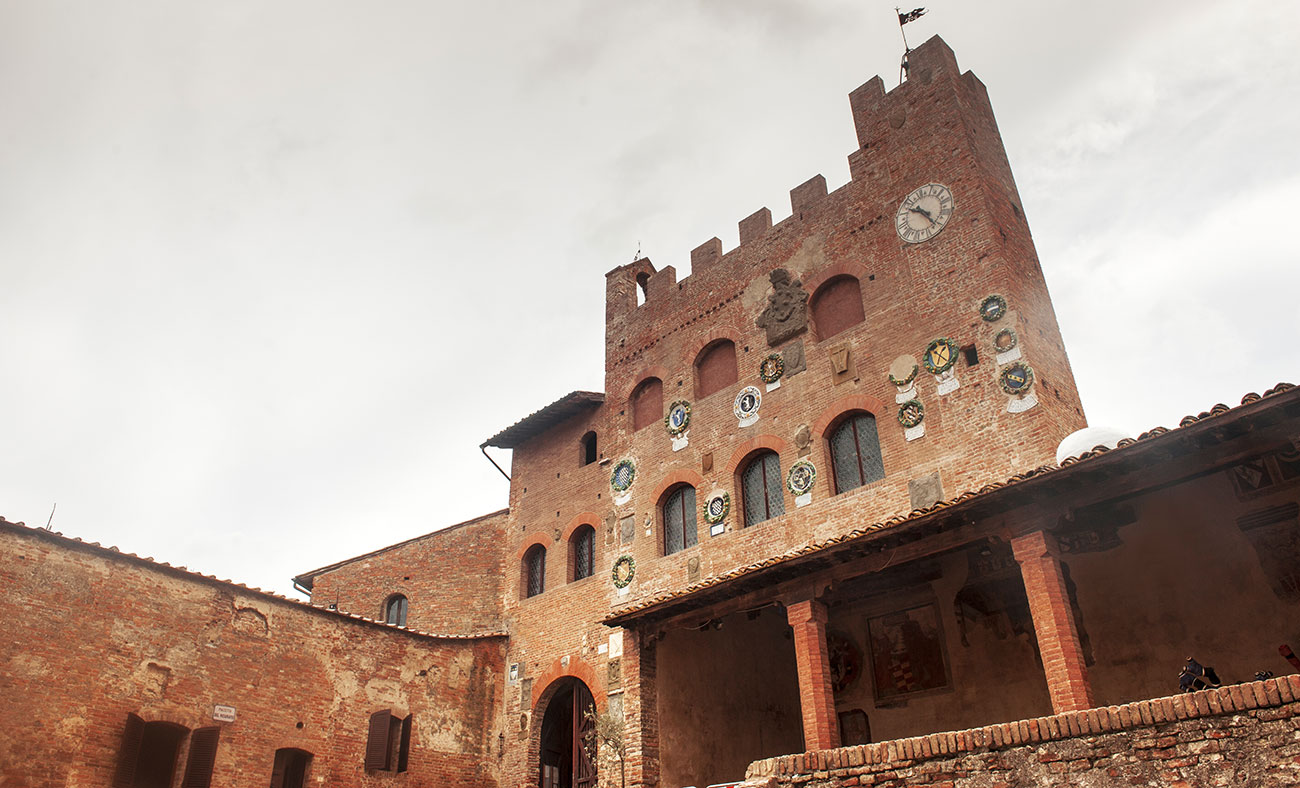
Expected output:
(483, 448)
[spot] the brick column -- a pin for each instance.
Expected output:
(640, 709)
(1049, 604)
(821, 728)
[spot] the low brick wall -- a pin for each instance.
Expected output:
(1243, 735)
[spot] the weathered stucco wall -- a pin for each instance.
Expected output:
(988, 671)
(1185, 580)
(726, 697)
(1246, 736)
(91, 635)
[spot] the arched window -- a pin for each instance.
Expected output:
(761, 488)
(395, 610)
(647, 403)
(855, 452)
(587, 449)
(836, 306)
(715, 368)
(582, 552)
(679, 519)
(534, 571)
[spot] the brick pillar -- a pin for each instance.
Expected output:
(640, 709)
(821, 728)
(1049, 604)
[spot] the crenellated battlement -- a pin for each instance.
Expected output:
(936, 126)
(877, 113)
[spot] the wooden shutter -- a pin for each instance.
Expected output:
(129, 753)
(377, 740)
(404, 751)
(203, 756)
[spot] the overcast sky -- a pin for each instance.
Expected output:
(271, 271)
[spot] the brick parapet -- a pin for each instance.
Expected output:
(1179, 732)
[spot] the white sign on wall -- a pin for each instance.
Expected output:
(223, 713)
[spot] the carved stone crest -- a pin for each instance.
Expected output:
(786, 314)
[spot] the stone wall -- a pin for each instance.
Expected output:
(1244, 735)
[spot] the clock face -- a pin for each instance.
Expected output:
(924, 213)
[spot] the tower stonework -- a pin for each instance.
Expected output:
(834, 248)
(936, 128)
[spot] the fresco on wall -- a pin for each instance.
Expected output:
(906, 652)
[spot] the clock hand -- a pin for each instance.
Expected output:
(923, 212)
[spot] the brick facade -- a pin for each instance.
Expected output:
(92, 636)
(957, 585)
(431, 571)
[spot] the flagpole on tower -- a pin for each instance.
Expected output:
(904, 18)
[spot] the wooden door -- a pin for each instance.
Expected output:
(585, 746)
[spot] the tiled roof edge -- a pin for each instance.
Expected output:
(162, 566)
(311, 575)
(896, 520)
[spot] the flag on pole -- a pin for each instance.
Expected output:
(910, 16)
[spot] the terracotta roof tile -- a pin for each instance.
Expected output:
(541, 420)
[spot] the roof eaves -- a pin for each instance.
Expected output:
(538, 421)
(641, 607)
(180, 571)
(306, 579)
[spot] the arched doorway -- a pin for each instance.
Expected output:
(568, 742)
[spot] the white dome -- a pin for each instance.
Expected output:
(1087, 439)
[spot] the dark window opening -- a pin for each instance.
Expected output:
(647, 403)
(642, 287)
(291, 768)
(534, 571)
(715, 368)
(837, 306)
(395, 610)
(148, 754)
(971, 355)
(762, 490)
(388, 742)
(588, 453)
(855, 453)
(679, 520)
(584, 552)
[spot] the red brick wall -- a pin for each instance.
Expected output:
(936, 128)
(452, 578)
(1239, 735)
(90, 636)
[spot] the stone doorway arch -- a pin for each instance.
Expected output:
(566, 753)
